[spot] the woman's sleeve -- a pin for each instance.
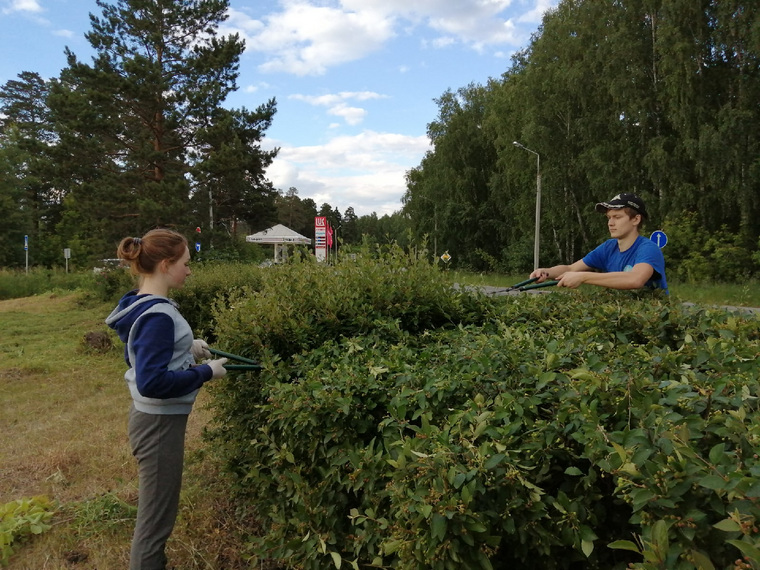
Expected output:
(153, 347)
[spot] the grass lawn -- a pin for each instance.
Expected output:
(64, 424)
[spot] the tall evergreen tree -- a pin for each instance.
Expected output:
(296, 214)
(350, 228)
(309, 213)
(26, 135)
(17, 217)
(134, 123)
(228, 169)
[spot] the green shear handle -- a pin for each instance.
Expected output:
(248, 363)
(539, 285)
(527, 285)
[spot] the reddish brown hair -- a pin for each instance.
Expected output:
(145, 253)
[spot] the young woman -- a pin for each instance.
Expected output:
(163, 379)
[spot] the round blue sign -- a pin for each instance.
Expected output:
(197, 246)
(659, 238)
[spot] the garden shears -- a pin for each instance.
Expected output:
(527, 285)
(248, 364)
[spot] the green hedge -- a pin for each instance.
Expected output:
(300, 305)
(16, 283)
(399, 424)
(210, 286)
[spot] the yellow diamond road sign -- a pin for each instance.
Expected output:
(446, 257)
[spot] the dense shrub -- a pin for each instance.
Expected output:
(111, 282)
(300, 305)
(694, 255)
(399, 424)
(211, 284)
(15, 283)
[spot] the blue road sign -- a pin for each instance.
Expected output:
(26, 243)
(659, 238)
(198, 246)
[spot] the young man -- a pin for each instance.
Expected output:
(626, 261)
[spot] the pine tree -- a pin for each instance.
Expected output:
(30, 198)
(139, 124)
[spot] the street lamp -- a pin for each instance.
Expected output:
(538, 203)
(435, 223)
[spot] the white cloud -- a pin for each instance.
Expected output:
(337, 103)
(473, 22)
(242, 23)
(535, 15)
(352, 115)
(31, 10)
(365, 171)
(306, 37)
(443, 42)
(256, 87)
(336, 98)
(31, 6)
(64, 33)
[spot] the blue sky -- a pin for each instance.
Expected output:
(355, 80)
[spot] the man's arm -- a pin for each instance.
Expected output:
(544, 273)
(633, 279)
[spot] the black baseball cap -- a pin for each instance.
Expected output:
(624, 200)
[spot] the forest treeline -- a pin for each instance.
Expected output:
(657, 98)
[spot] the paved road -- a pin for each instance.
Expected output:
(501, 291)
(733, 309)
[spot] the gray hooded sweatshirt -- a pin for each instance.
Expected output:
(162, 376)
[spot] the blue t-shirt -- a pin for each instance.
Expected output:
(608, 257)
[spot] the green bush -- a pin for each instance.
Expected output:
(111, 283)
(211, 284)
(300, 305)
(693, 255)
(16, 283)
(20, 519)
(400, 424)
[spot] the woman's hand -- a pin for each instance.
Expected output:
(200, 350)
(217, 367)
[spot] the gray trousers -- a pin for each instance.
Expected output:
(158, 443)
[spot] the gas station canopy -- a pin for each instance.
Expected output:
(281, 237)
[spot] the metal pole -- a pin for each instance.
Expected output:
(538, 213)
(536, 239)
(435, 225)
(435, 229)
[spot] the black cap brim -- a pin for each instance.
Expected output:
(602, 207)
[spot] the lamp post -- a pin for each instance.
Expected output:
(538, 203)
(335, 238)
(435, 224)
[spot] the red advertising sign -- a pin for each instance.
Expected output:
(320, 238)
